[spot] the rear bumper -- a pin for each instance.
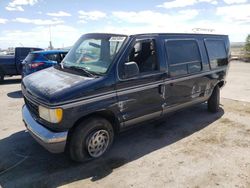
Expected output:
(54, 142)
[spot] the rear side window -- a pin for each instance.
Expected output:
(51, 57)
(183, 57)
(216, 52)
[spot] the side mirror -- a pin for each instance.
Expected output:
(131, 69)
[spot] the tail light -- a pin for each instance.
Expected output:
(34, 65)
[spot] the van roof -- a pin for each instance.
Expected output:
(159, 34)
(208, 34)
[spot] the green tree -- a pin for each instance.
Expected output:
(247, 48)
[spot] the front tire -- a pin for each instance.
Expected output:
(213, 102)
(91, 139)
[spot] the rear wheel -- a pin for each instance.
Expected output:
(91, 139)
(1, 76)
(213, 102)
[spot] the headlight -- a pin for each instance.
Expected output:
(51, 115)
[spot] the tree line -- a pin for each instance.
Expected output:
(247, 48)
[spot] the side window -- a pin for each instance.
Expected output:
(63, 55)
(51, 57)
(216, 52)
(23, 53)
(183, 57)
(144, 54)
(60, 57)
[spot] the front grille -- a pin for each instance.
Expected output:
(33, 108)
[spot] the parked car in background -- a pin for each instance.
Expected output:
(109, 83)
(11, 65)
(39, 60)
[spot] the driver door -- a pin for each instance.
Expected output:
(141, 97)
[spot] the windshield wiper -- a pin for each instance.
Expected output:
(88, 73)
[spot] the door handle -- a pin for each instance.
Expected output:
(162, 89)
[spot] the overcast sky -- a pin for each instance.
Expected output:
(27, 22)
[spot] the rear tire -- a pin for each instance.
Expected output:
(1, 76)
(90, 139)
(213, 102)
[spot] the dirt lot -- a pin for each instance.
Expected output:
(191, 148)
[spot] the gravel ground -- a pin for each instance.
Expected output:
(191, 148)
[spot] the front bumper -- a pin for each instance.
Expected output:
(54, 142)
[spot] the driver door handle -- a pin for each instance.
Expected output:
(162, 89)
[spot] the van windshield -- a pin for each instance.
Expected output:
(93, 55)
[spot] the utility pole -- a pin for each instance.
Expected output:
(50, 41)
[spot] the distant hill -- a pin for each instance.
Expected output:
(238, 52)
(237, 44)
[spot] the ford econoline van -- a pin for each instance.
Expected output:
(108, 83)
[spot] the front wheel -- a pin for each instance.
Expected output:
(213, 102)
(91, 139)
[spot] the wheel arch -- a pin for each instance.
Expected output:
(106, 114)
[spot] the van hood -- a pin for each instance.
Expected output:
(52, 85)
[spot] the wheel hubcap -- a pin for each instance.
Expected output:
(98, 143)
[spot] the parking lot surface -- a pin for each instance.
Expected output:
(191, 148)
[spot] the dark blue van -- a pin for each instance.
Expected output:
(108, 83)
(39, 60)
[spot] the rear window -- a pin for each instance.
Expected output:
(216, 52)
(183, 57)
(31, 57)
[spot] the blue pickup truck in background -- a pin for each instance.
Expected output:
(11, 65)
